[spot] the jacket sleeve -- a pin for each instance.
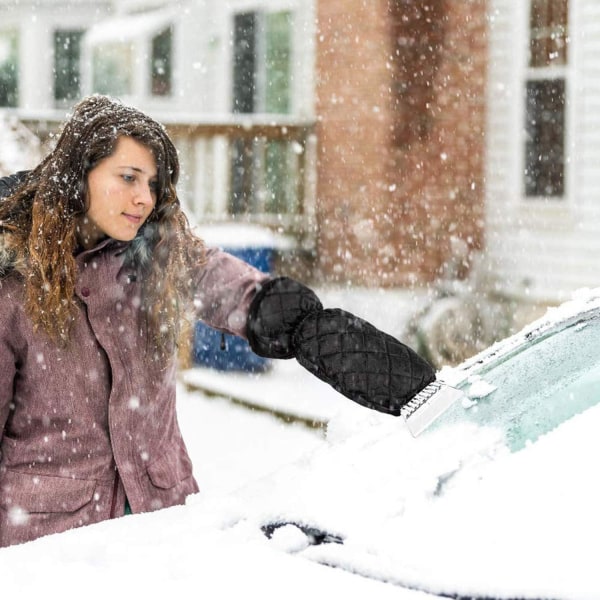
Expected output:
(286, 319)
(224, 288)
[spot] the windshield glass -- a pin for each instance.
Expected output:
(540, 385)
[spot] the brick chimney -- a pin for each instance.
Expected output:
(400, 104)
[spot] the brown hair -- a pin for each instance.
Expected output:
(39, 221)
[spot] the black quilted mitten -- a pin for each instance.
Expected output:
(360, 361)
(275, 313)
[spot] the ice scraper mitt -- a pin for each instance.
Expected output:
(363, 363)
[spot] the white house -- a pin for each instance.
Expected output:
(182, 56)
(199, 57)
(39, 50)
(543, 147)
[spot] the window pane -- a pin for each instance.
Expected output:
(244, 62)
(278, 62)
(112, 69)
(9, 68)
(549, 32)
(67, 50)
(281, 175)
(545, 129)
(161, 68)
(242, 188)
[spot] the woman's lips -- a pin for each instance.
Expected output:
(136, 219)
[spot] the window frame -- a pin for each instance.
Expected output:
(261, 18)
(134, 35)
(539, 73)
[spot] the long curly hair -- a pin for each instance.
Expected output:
(39, 221)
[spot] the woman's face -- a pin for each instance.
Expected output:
(121, 194)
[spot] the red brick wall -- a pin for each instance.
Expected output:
(400, 102)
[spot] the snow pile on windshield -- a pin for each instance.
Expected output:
(582, 301)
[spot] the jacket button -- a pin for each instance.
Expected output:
(85, 292)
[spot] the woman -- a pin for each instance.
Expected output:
(99, 272)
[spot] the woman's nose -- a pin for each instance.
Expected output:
(144, 195)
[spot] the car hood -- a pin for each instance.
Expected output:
(451, 513)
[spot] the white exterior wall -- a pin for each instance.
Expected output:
(36, 23)
(202, 54)
(543, 249)
(202, 62)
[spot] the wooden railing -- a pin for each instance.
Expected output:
(241, 168)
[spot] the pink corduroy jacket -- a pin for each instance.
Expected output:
(84, 428)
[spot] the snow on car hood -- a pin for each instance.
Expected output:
(453, 512)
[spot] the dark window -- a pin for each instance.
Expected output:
(545, 129)
(161, 68)
(67, 76)
(244, 62)
(545, 93)
(9, 68)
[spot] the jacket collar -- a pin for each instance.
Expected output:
(137, 254)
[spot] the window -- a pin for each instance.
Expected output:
(132, 55)
(262, 172)
(9, 67)
(262, 62)
(278, 55)
(545, 99)
(161, 65)
(67, 75)
(244, 63)
(548, 38)
(545, 137)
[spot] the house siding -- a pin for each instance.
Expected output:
(36, 41)
(543, 250)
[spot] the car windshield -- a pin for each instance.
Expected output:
(536, 387)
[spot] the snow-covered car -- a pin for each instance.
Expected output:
(497, 499)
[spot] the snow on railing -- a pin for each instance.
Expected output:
(20, 149)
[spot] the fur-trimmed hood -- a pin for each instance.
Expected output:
(137, 253)
(8, 258)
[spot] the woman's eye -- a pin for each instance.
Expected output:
(128, 178)
(154, 187)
